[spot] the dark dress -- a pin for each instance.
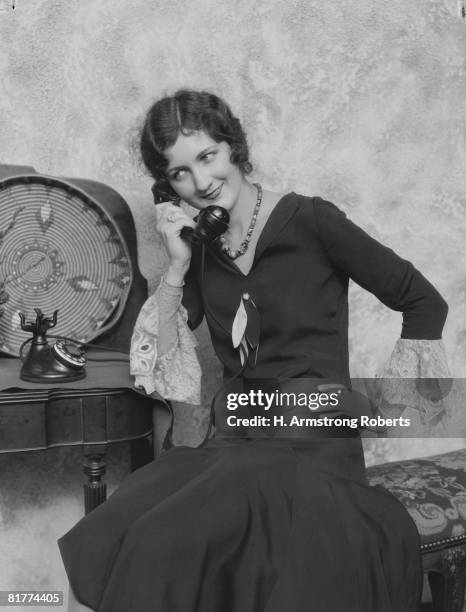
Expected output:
(269, 524)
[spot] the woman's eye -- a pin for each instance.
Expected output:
(209, 156)
(178, 175)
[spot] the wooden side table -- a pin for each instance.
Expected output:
(100, 410)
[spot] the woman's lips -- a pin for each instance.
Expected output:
(213, 195)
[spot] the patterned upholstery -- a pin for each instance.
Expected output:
(433, 490)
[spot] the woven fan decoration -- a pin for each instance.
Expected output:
(60, 249)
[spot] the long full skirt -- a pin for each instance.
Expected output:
(248, 526)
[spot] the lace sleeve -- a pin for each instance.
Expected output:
(417, 359)
(162, 354)
(415, 383)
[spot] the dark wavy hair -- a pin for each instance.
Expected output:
(185, 112)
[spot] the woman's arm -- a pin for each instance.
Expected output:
(419, 355)
(162, 356)
(393, 280)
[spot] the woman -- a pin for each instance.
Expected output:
(259, 518)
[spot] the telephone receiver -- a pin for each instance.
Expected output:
(212, 221)
(47, 363)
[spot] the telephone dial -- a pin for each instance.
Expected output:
(47, 363)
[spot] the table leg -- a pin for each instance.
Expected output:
(95, 490)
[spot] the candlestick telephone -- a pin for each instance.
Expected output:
(63, 361)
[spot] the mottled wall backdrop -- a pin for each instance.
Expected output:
(360, 102)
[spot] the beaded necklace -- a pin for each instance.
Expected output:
(245, 244)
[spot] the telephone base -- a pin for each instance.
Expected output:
(52, 377)
(43, 365)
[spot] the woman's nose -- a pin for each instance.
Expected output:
(202, 180)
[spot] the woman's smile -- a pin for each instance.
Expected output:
(214, 194)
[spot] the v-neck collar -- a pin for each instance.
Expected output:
(279, 216)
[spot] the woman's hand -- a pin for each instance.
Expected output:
(170, 221)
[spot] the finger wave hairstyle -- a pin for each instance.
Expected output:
(185, 112)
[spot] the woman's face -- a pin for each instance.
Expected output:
(200, 171)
